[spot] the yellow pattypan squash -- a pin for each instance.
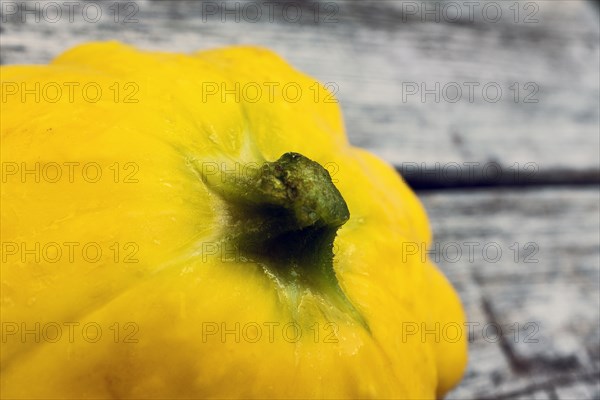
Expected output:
(192, 226)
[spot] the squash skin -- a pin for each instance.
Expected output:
(174, 294)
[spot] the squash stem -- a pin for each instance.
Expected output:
(285, 216)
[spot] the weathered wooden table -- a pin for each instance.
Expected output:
(489, 108)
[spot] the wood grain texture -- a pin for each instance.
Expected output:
(543, 299)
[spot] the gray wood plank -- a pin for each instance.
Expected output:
(375, 52)
(545, 303)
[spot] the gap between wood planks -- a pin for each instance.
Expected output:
(448, 179)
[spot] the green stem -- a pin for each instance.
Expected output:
(285, 216)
